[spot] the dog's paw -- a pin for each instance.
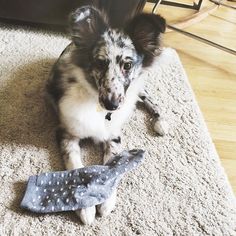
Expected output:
(161, 127)
(108, 206)
(87, 215)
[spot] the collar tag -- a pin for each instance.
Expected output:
(108, 116)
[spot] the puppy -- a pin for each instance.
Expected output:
(95, 84)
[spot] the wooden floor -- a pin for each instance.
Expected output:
(212, 74)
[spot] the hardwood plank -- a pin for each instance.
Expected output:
(225, 149)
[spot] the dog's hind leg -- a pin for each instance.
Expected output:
(160, 125)
(70, 150)
(111, 148)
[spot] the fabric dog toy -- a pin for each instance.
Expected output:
(79, 188)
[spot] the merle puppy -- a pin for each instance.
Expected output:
(95, 84)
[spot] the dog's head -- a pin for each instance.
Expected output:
(113, 58)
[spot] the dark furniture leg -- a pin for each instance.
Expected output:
(195, 6)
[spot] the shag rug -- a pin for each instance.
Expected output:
(180, 189)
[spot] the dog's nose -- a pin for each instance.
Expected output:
(110, 105)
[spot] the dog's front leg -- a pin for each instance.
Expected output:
(70, 150)
(160, 125)
(111, 148)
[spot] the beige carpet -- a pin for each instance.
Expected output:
(180, 189)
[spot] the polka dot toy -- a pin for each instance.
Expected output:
(79, 188)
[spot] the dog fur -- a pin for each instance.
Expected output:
(95, 84)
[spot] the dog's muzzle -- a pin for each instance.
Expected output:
(109, 104)
(111, 97)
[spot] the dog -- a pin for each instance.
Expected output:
(96, 83)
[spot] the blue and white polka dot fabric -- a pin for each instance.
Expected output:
(80, 188)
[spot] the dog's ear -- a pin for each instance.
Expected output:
(145, 30)
(86, 26)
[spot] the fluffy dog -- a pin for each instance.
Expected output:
(95, 84)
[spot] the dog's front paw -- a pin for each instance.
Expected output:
(87, 215)
(108, 206)
(161, 127)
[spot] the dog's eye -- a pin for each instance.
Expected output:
(101, 64)
(127, 65)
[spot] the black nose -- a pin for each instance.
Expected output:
(110, 105)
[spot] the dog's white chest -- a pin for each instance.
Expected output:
(83, 117)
